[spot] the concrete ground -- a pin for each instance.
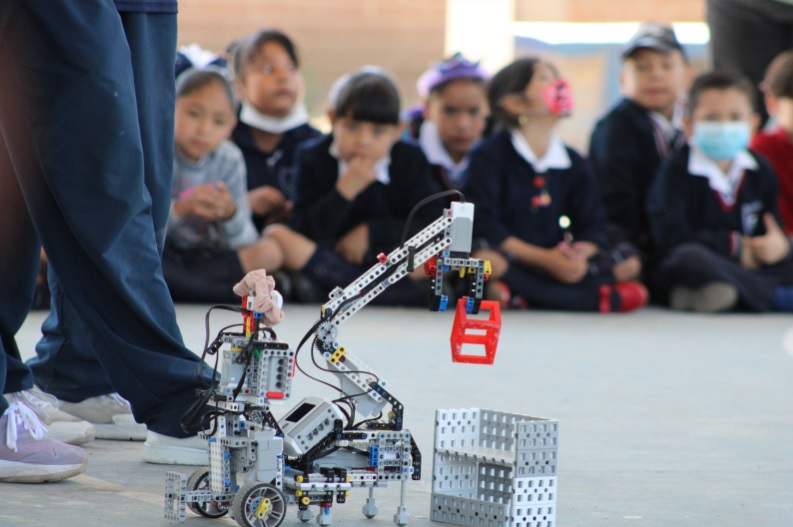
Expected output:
(665, 419)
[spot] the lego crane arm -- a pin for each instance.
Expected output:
(449, 236)
(447, 243)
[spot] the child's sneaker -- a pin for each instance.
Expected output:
(622, 297)
(26, 456)
(111, 416)
(61, 426)
(714, 297)
(164, 450)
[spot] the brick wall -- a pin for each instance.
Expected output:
(333, 36)
(405, 36)
(610, 10)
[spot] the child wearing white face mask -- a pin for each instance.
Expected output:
(272, 120)
(713, 210)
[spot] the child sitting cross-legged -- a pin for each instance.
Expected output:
(355, 189)
(713, 210)
(211, 240)
(524, 180)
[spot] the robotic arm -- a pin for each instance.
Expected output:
(444, 245)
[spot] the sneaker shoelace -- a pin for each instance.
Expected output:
(117, 400)
(20, 414)
(39, 402)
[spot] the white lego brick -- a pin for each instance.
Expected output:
(175, 491)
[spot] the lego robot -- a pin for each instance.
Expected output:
(317, 452)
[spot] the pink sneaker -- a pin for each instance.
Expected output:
(26, 456)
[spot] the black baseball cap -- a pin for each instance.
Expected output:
(653, 35)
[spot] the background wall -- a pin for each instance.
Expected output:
(406, 36)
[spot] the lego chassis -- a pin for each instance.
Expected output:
(317, 453)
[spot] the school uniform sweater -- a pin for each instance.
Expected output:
(776, 146)
(501, 184)
(324, 215)
(625, 151)
(275, 168)
(684, 208)
(223, 165)
(146, 6)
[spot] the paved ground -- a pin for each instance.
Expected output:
(665, 419)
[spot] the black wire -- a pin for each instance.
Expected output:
(357, 425)
(423, 202)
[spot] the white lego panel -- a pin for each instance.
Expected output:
(175, 489)
(468, 512)
(494, 469)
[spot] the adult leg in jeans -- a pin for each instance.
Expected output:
(77, 154)
(66, 365)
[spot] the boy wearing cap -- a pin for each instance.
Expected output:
(629, 143)
(452, 116)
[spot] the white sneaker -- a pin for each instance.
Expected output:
(164, 450)
(111, 416)
(27, 456)
(60, 426)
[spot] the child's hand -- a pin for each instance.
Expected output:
(564, 264)
(226, 207)
(205, 202)
(266, 200)
(585, 250)
(773, 246)
(360, 174)
(353, 246)
(746, 258)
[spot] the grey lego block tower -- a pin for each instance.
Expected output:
(494, 469)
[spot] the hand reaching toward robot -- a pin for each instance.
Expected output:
(267, 300)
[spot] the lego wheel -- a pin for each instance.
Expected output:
(258, 505)
(199, 480)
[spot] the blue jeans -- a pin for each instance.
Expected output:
(80, 131)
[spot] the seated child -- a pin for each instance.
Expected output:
(354, 191)
(713, 211)
(523, 181)
(452, 116)
(272, 121)
(629, 143)
(211, 240)
(777, 144)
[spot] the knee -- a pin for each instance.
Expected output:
(690, 254)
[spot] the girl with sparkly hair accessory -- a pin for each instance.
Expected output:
(452, 116)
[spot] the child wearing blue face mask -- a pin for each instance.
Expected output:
(713, 212)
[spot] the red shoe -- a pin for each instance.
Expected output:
(630, 296)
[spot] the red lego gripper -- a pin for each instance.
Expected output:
(486, 330)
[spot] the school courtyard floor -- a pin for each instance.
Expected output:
(665, 419)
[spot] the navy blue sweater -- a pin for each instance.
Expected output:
(146, 6)
(275, 169)
(501, 184)
(625, 158)
(324, 215)
(683, 208)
